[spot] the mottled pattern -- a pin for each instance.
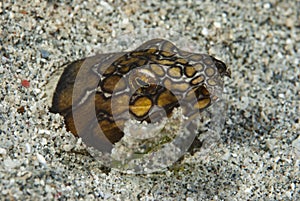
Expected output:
(144, 84)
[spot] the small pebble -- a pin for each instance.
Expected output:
(2, 151)
(45, 54)
(204, 31)
(41, 159)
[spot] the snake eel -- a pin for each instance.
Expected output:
(145, 84)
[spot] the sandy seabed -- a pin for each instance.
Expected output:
(258, 157)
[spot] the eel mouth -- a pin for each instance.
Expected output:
(222, 68)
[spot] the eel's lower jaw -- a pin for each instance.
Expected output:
(228, 73)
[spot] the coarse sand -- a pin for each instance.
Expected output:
(258, 156)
